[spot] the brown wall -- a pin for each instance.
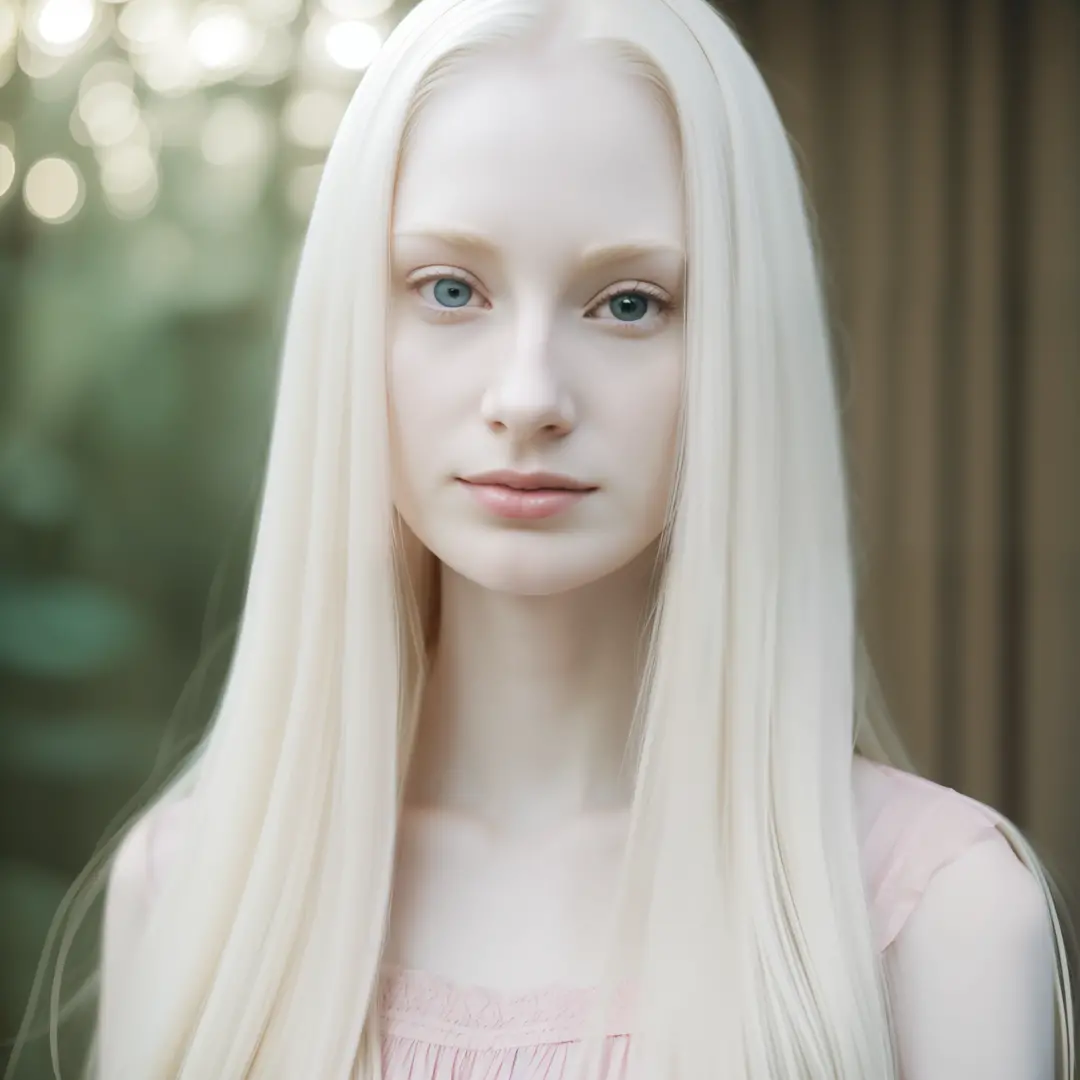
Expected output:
(941, 143)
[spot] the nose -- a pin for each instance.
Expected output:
(527, 398)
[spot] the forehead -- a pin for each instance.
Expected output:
(542, 153)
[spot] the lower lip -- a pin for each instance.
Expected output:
(510, 502)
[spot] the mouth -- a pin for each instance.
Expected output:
(528, 482)
(522, 497)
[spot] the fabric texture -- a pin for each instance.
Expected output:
(435, 1029)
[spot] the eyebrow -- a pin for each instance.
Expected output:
(591, 258)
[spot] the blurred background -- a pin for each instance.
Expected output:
(158, 159)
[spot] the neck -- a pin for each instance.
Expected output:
(529, 702)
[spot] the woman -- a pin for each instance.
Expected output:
(548, 675)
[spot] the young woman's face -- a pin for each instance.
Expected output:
(537, 323)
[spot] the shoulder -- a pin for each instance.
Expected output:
(134, 876)
(972, 973)
(141, 861)
(910, 830)
(965, 931)
(129, 871)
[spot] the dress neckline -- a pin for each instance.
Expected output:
(425, 1006)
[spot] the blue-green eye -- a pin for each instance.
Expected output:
(452, 292)
(629, 306)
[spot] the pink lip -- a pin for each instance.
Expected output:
(524, 504)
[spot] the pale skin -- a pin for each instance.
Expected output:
(518, 798)
(517, 803)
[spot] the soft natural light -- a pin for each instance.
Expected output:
(169, 69)
(274, 59)
(127, 168)
(53, 190)
(110, 112)
(236, 133)
(311, 118)
(302, 188)
(64, 23)
(352, 45)
(135, 202)
(144, 23)
(222, 39)
(108, 71)
(9, 25)
(7, 169)
(275, 11)
(159, 255)
(358, 9)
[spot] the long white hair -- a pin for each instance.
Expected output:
(741, 908)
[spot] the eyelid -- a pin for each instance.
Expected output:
(646, 288)
(434, 273)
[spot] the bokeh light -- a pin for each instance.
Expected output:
(303, 185)
(144, 24)
(7, 168)
(62, 25)
(155, 32)
(274, 59)
(54, 190)
(128, 168)
(275, 12)
(311, 118)
(36, 62)
(236, 134)
(168, 69)
(78, 129)
(148, 78)
(9, 25)
(358, 9)
(179, 120)
(352, 44)
(133, 203)
(129, 179)
(223, 39)
(108, 71)
(109, 111)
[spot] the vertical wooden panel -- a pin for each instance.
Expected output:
(831, 47)
(871, 285)
(941, 145)
(1015, 172)
(787, 58)
(1051, 491)
(910, 585)
(978, 723)
(953, 415)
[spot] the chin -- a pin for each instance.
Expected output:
(539, 563)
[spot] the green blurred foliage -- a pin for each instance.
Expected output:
(138, 356)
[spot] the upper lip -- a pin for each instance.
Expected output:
(529, 481)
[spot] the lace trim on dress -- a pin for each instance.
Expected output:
(427, 1007)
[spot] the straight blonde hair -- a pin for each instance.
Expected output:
(741, 910)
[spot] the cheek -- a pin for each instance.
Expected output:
(422, 394)
(411, 410)
(429, 402)
(433, 373)
(661, 435)
(646, 412)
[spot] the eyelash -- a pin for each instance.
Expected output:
(642, 288)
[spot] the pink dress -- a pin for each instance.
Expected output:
(434, 1029)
